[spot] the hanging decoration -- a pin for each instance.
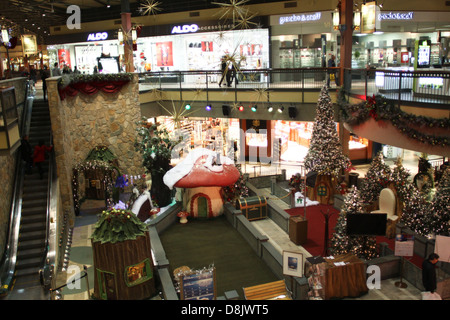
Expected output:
(89, 84)
(149, 7)
(380, 109)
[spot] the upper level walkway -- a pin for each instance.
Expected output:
(427, 89)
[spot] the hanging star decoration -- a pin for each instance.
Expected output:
(157, 93)
(150, 7)
(234, 9)
(261, 93)
(244, 21)
(197, 93)
(177, 114)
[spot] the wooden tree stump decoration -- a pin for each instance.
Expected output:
(123, 265)
(324, 189)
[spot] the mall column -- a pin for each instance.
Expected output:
(346, 14)
(126, 26)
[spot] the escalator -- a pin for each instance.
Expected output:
(28, 242)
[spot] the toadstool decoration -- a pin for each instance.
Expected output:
(201, 175)
(183, 216)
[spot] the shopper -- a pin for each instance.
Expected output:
(224, 70)
(429, 273)
(56, 71)
(44, 75)
(27, 153)
(33, 76)
(231, 75)
(331, 72)
(39, 156)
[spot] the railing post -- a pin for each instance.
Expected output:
(399, 89)
(365, 82)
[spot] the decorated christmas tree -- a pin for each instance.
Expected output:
(341, 243)
(440, 206)
(415, 213)
(377, 177)
(325, 155)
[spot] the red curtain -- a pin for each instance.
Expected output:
(90, 88)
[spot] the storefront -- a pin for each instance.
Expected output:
(180, 47)
(302, 40)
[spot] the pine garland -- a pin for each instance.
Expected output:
(380, 109)
(118, 225)
(68, 79)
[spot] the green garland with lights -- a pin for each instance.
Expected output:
(380, 109)
(118, 225)
(68, 79)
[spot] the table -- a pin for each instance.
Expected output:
(347, 280)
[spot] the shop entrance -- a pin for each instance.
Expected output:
(202, 204)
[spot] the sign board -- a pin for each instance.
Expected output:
(199, 286)
(442, 248)
(404, 245)
(369, 21)
(29, 44)
(423, 54)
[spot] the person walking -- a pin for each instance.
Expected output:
(27, 152)
(231, 75)
(39, 156)
(44, 75)
(331, 72)
(224, 70)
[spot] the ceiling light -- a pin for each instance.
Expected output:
(241, 108)
(280, 109)
(187, 107)
(208, 107)
(254, 108)
(270, 108)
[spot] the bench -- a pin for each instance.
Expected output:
(268, 291)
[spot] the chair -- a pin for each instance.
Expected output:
(387, 204)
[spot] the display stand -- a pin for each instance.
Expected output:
(404, 246)
(315, 271)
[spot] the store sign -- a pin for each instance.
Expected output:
(300, 18)
(395, 16)
(369, 12)
(97, 36)
(29, 44)
(187, 28)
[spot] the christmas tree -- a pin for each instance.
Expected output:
(440, 206)
(377, 177)
(341, 243)
(415, 213)
(325, 156)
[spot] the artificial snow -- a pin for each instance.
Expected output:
(187, 164)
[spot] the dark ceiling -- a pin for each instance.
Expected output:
(37, 16)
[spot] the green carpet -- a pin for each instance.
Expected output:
(200, 244)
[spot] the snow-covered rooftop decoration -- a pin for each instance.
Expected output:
(202, 168)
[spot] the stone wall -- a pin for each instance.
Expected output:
(8, 166)
(83, 122)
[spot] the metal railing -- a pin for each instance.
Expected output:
(418, 87)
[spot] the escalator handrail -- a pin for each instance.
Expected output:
(8, 262)
(47, 270)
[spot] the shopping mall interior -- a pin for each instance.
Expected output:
(231, 150)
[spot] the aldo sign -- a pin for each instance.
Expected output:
(187, 28)
(97, 36)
